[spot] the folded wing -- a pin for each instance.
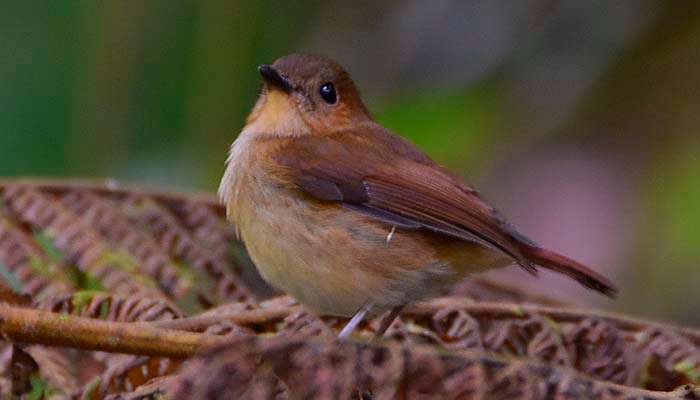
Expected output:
(387, 178)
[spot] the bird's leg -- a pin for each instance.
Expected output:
(354, 321)
(386, 321)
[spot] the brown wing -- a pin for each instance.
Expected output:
(381, 175)
(393, 182)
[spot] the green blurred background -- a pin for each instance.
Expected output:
(579, 119)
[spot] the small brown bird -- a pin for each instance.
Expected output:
(349, 218)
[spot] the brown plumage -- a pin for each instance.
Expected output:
(349, 218)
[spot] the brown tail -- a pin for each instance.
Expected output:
(564, 265)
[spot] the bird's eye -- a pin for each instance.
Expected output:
(327, 92)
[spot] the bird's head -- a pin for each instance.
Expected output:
(303, 94)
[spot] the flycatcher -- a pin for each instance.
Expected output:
(349, 218)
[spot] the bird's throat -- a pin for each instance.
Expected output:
(276, 114)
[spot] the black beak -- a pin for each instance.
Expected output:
(273, 78)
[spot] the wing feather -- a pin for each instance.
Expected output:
(381, 181)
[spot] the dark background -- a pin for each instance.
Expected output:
(579, 119)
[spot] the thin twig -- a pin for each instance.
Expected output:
(251, 317)
(53, 329)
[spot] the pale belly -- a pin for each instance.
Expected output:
(334, 261)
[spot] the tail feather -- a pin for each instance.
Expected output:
(564, 265)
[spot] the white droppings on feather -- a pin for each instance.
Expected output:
(391, 234)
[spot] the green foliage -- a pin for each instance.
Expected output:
(679, 200)
(45, 240)
(84, 280)
(10, 279)
(670, 230)
(40, 389)
(690, 369)
(453, 127)
(82, 298)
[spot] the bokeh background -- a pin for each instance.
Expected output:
(579, 119)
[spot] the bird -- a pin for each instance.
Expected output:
(351, 219)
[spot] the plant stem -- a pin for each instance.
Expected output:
(53, 329)
(245, 318)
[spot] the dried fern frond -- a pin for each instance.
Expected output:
(17, 369)
(109, 307)
(155, 389)
(155, 275)
(126, 373)
(606, 346)
(256, 368)
(26, 265)
(165, 228)
(56, 368)
(105, 216)
(78, 243)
